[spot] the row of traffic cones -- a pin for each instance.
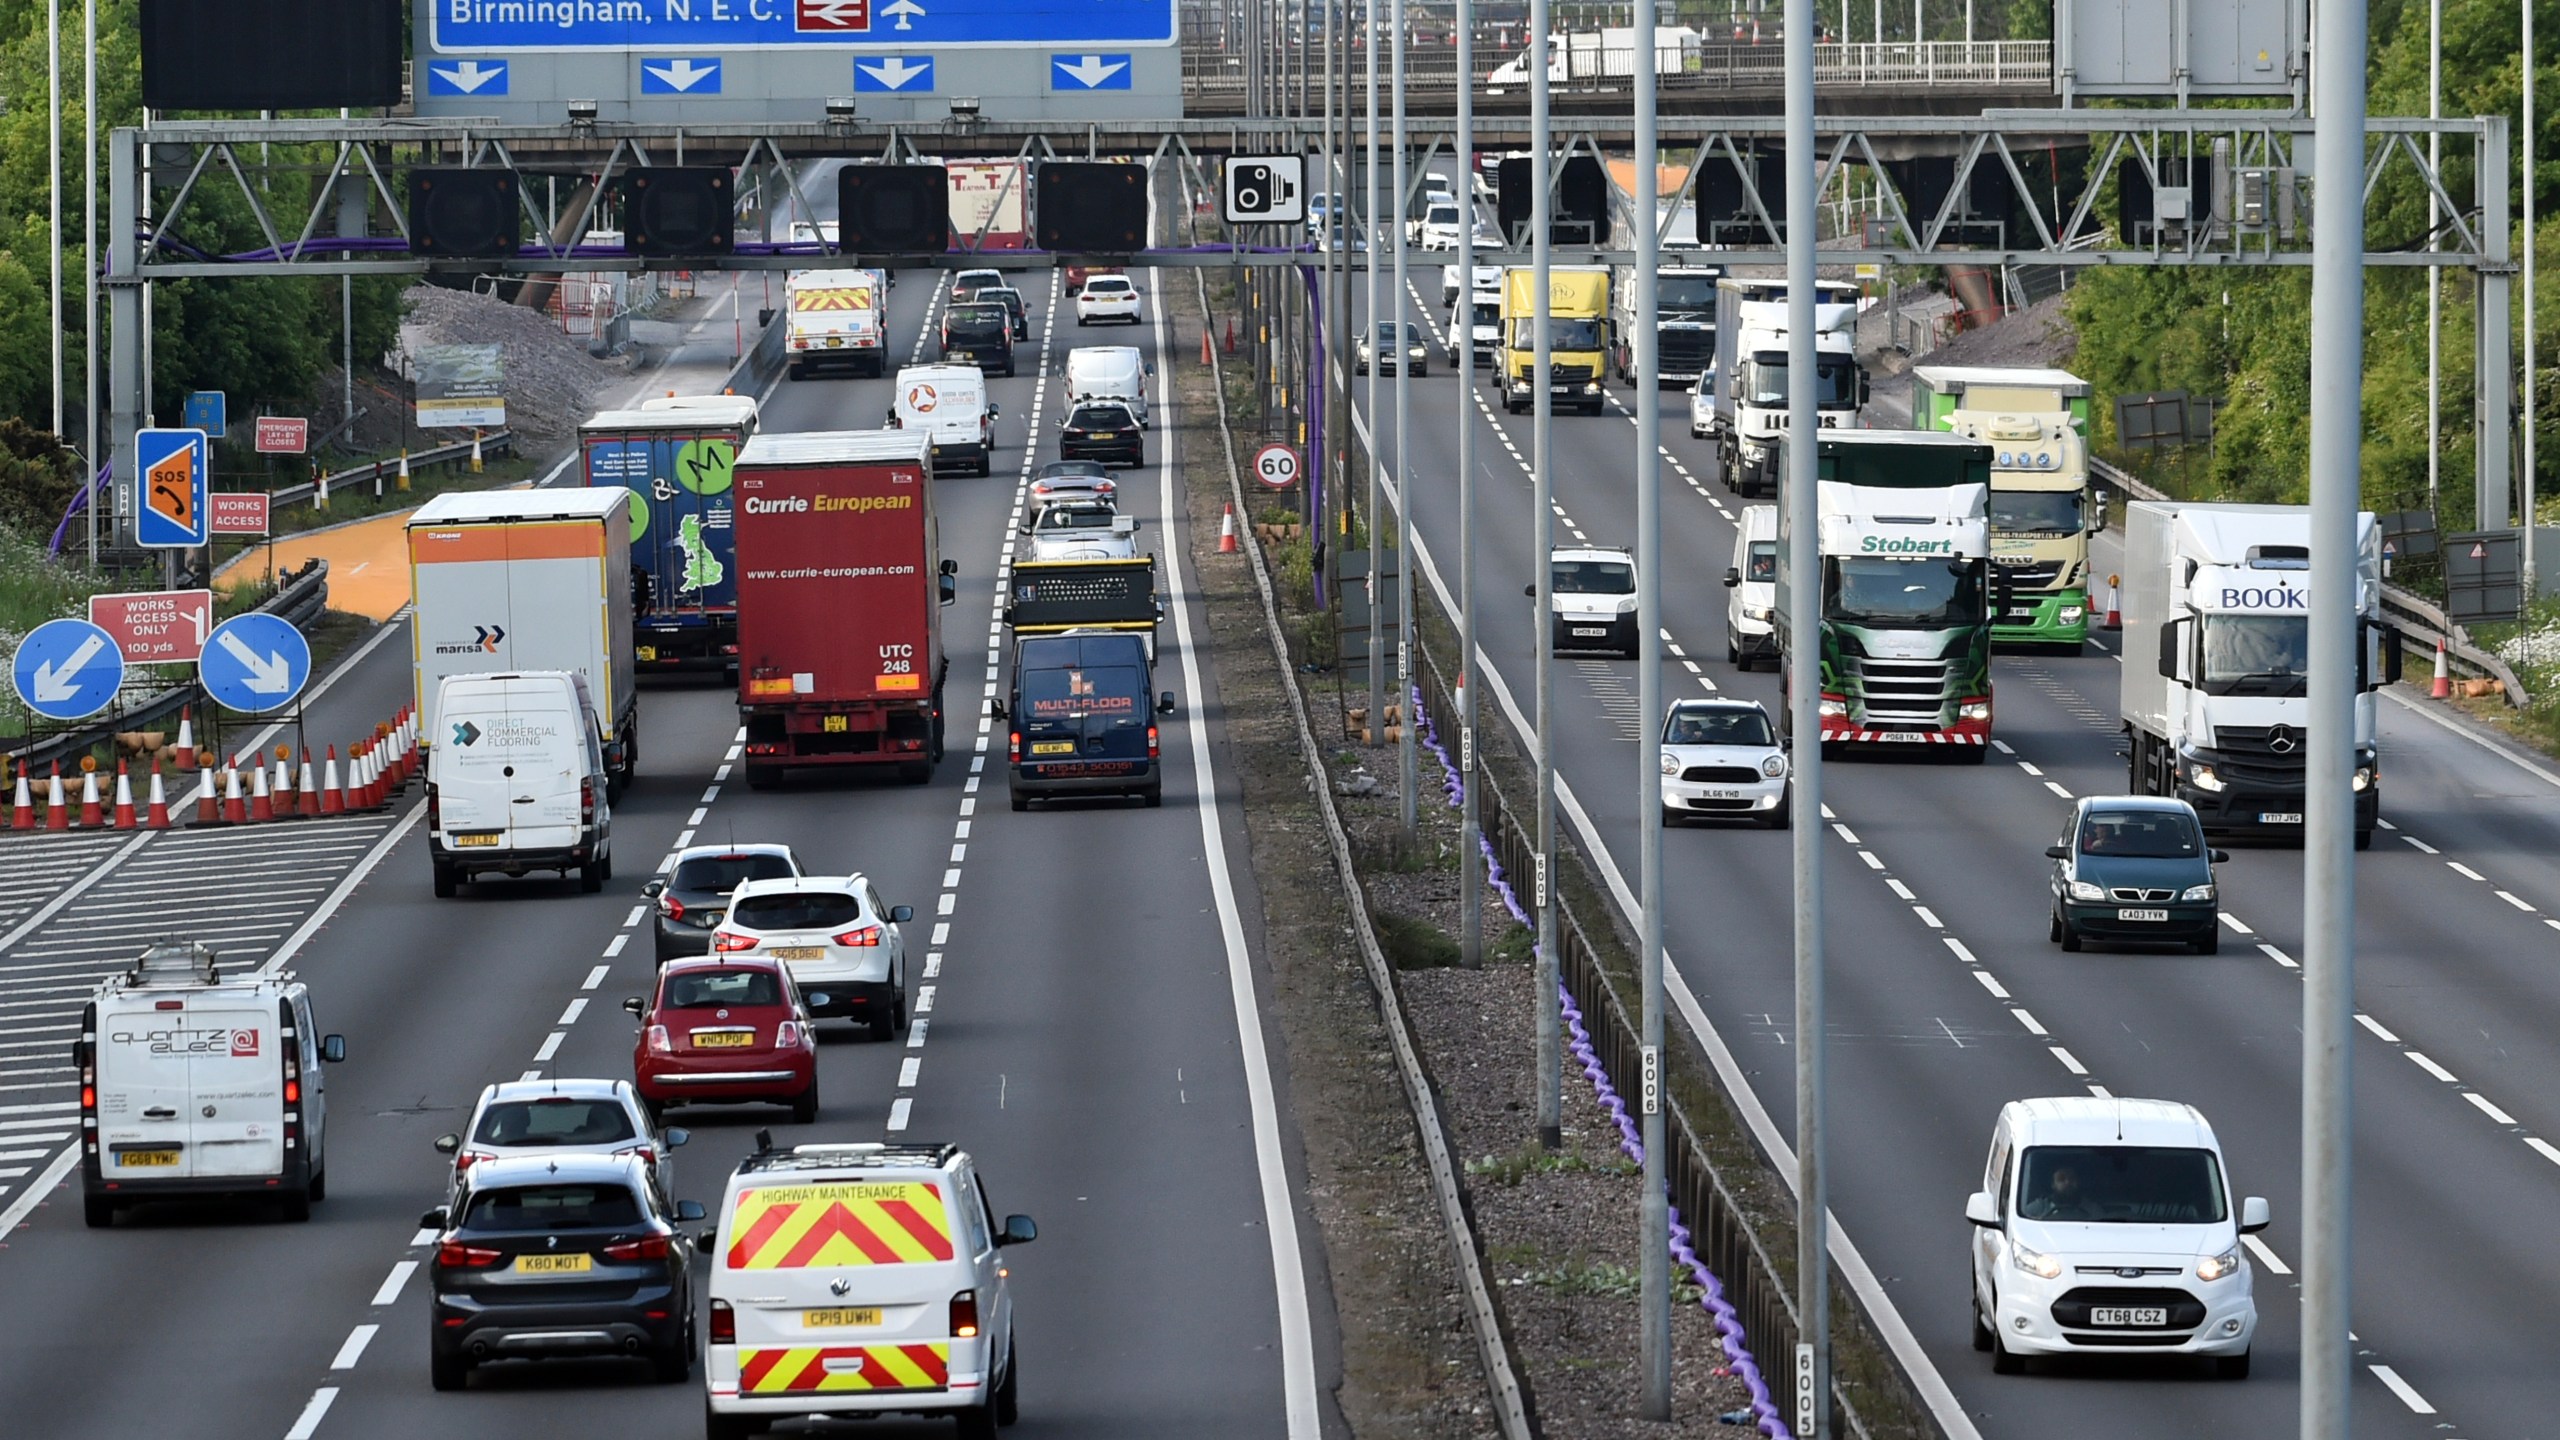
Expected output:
(377, 770)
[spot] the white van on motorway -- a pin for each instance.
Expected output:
(516, 781)
(860, 1280)
(194, 1083)
(949, 404)
(2107, 1226)
(1750, 608)
(1110, 372)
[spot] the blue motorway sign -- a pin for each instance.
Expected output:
(904, 74)
(1075, 73)
(700, 25)
(67, 669)
(172, 469)
(254, 663)
(208, 411)
(467, 77)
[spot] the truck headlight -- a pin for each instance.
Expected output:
(1974, 710)
(1832, 709)
(2069, 614)
(2034, 1262)
(1670, 763)
(1590, 387)
(2215, 1267)
(2199, 893)
(2083, 890)
(1774, 766)
(2203, 778)
(1756, 612)
(2364, 778)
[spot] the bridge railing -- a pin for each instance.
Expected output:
(1432, 67)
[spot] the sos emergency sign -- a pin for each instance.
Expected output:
(1276, 465)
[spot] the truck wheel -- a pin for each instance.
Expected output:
(1154, 796)
(591, 878)
(448, 880)
(1020, 800)
(762, 777)
(915, 772)
(97, 1211)
(296, 1205)
(794, 372)
(2364, 839)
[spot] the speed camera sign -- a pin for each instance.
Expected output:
(1266, 189)
(1276, 465)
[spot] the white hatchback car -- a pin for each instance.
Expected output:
(835, 935)
(1721, 758)
(2108, 1227)
(1107, 297)
(522, 1118)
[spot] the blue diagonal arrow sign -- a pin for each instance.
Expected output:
(254, 663)
(68, 669)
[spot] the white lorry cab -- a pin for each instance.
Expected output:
(949, 405)
(853, 1281)
(194, 1082)
(517, 782)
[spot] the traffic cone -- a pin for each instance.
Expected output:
(93, 812)
(157, 816)
(22, 816)
(262, 803)
(306, 797)
(124, 817)
(282, 787)
(1204, 346)
(2115, 617)
(1231, 334)
(1227, 532)
(187, 739)
(360, 788)
(333, 797)
(208, 810)
(235, 807)
(2442, 689)
(57, 814)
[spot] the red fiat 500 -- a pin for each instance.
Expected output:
(723, 1030)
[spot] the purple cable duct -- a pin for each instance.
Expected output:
(397, 245)
(1729, 1332)
(79, 502)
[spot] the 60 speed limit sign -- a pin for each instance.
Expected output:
(1276, 465)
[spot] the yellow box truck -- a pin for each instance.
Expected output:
(1577, 336)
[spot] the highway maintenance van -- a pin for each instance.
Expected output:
(518, 781)
(858, 1280)
(199, 1082)
(832, 320)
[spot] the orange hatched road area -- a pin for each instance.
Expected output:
(368, 564)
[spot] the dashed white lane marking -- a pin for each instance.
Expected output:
(2482, 1104)
(2058, 790)
(2408, 1394)
(389, 1291)
(633, 918)
(1957, 946)
(2419, 844)
(308, 1424)
(596, 976)
(576, 1008)
(2368, 1022)
(2544, 1148)
(1928, 917)
(2265, 1256)
(2513, 899)
(898, 1112)
(2003, 747)
(1998, 991)
(696, 817)
(2069, 1061)
(907, 1072)
(2278, 956)
(353, 1350)
(2419, 1059)
(2030, 769)
(2233, 921)
(2465, 871)
(423, 1237)
(550, 1047)
(2030, 1021)
(1868, 858)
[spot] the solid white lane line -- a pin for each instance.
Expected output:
(2408, 1395)
(389, 1292)
(309, 1423)
(2368, 1022)
(2265, 1256)
(2481, 1103)
(2466, 872)
(1991, 984)
(2419, 1059)
(353, 1350)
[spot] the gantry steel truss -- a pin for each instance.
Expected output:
(356, 222)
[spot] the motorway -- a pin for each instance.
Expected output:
(1947, 1001)
(1086, 1022)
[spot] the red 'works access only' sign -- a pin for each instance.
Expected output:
(160, 627)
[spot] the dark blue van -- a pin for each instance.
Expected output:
(1081, 719)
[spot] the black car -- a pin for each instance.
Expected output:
(980, 335)
(1101, 431)
(1011, 300)
(2135, 868)
(556, 1256)
(694, 895)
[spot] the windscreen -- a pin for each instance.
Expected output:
(1562, 335)
(1717, 727)
(2140, 834)
(1902, 594)
(801, 911)
(554, 1120)
(2121, 1185)
(2256, 654)
(1695, 293)
(1488, 312)
(1076, 517)
(1112, 286)
(1763, 560)
(1099, 418)
(977, 320)
(1836, 380)
(552, 1207)
(1594, 577)
(2036, 512)
(720, 874)
(705, 989)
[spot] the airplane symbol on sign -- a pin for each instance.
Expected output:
(907, 12)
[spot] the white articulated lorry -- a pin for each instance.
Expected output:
(1751, 374)
(2217, 643)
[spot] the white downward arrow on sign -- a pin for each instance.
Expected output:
(470, 75)
(268, 675)
(57, 682)
(896, 71)
(1092, 70)
(683, 74)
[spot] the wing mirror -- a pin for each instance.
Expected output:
(1979, 1209)
(676, 1136)
(950, 567)
(1732, 576)
(2254, 1216)
(2219, 857)
(901, 914)
(948, 588)
(333, 1049)
(448, 1144)
(690, 1210)
(1529, 590)
(635, 1006)
(2057, 852)
(1018, 1230)
(996, 710)
(654, 889)
(1164, 703)
(83, 1052)
(435, 1219)
(817, 999)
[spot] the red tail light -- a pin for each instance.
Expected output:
(727, 942)
(1013, 742)
(860, 937)
(586, 801)
(786, 1036)
(964, 1314)
(293, 1092)
(724, 1323)
(647, 1247)
(671, 907)
(1151, 742)
(468, 1158)
(659, 1044)
(434, 810)
(645, 1152)
(454, 1255)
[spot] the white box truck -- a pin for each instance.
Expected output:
(1751, 374)
(512, 580)
(2217, 645)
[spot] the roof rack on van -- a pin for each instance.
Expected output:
(184, 962)
(865, 1155)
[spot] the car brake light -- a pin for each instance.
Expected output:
(658, 1042)
(671, 907)
(645, 1152)
(964, 1314)
(724, 1323)
(454, 1255)
(786, 1036)
(647, 1247)
(860, 936)
(1151, 742)
(468, 1158)
(586, 800)
(293, 1092)
(726, 942)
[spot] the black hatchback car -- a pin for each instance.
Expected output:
(560, 1256)
(2135, 868)
(1102, 431)
(695, 894)
(1011, 300)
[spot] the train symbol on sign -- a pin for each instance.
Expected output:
(1266, 189)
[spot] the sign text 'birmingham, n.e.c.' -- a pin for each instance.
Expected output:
(595, 25)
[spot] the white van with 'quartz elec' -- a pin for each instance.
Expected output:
(194, 1082)
(516, 781)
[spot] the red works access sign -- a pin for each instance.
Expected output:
(160, 627)
(238, 512)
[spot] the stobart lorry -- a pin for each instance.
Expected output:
(1577, 331)
(1906, 590)
(675, 460)
(2217, 643)
(1751, 374)
(2037, 425)
(841, 584)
